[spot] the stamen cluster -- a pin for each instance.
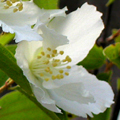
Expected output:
(9, 3)
(47, 66)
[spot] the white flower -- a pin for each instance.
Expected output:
(50, 65)
(18, 16)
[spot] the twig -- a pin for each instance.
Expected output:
(113, 36)
(8, 83)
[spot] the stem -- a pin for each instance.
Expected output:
(116, 107)
(8, 83)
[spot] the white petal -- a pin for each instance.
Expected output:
(52, 39)
(25, 33)
(100, 90)
(28, 15)
(21, 21)
(82, 27)
(43, 97)
(46, 16)
(49, 84)
(75, 92)
(25, 53)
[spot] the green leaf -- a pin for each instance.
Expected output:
(118, 83)
(47, 4)
(3, 78)
(49, 113)
(105, 76)
(110, 2)
(117, 39)
(11, 48)
(6, 38)
(16, 106)
(102, 116)
(94, 59)
(9, 66)
(112, 52)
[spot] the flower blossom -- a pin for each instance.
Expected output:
(18, 16)
(50, 65)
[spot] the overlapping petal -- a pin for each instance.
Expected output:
(100, 90)
(82, 27)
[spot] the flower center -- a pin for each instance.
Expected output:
(48, 67)
(18, 5)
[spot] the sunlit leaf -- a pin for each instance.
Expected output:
(6, 38)
(112, 52)
(16, 106)
(47, 4)
(11, 48)
(94, 59)
(102, 116)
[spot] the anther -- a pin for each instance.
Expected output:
(50, 72)
(6, 6)
(57, 60)
(58, 76)
(13, 1)
(8, 3)
(43, 53)
(41, 74)
(53, 55)
(68, 59)
(47, 69)
(46, 62)
(66, 73)
(60, 71)
(15, 10)
(48, 55)
(54, 64)
(53, 77)
(38, 57)
(49, 49)
(47, 79)
(68, 67)
(61, 52)
(54, 51)
(61, 76)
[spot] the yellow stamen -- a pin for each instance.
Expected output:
(15, 10)
(61, 52)
(6, 7)
(68, 67)
(43, 53)
(46, 62)
(54, 64)
(66, 73)
(58, 76)
(53, 77)
(49, 49)
(38, 57)
(68, 59)
(61, 71)
(54, 51)
(50, 72)
(47, 79)
(41, 74)
(61, 76)
(8, 3)
(53, 55)
(48, 55)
